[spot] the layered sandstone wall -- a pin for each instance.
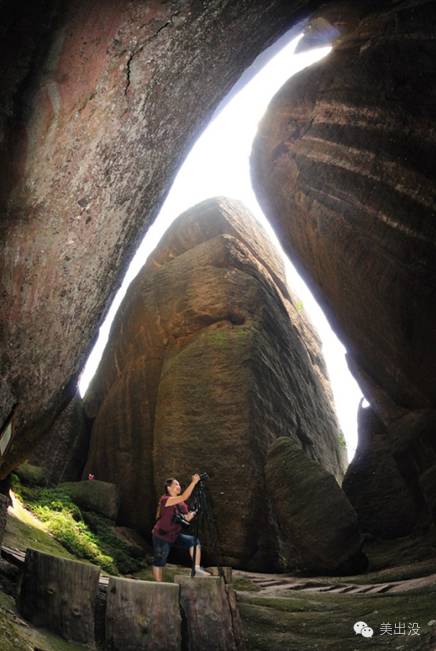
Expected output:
(343, 166)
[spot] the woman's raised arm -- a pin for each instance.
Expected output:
(186, 493)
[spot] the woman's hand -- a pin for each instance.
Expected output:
(190, 516)
(186, 493)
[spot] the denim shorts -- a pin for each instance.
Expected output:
(161, 548)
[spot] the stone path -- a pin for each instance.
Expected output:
(276, 584)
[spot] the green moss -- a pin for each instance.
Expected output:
(324, 621)
(64, 520)
(75, 536)
(226, 336)
(119, 550)
(244, 584)
(20, 535)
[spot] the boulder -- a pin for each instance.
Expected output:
(94, 495)
(319, 526)
(31, 474)
(343, 167)
(210, 358)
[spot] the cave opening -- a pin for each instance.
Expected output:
(218, 165)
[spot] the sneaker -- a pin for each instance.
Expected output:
(199, 571)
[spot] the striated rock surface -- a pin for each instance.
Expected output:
(319, 525)
(343, 166)
(210, 359)
(100, 103)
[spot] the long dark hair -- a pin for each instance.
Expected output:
(167, 484)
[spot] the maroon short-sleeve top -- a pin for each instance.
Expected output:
(165, 526)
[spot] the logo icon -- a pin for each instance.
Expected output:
(362, 628)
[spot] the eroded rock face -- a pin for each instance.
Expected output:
(210, 359)
(100, 103)
(343, 167)
(374, 484)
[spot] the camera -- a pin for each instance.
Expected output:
(179, 519)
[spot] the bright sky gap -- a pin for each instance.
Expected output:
(218, 165)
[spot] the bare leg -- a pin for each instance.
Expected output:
(197, 555)
(157, 573)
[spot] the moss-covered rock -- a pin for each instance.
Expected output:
(31, 475)
(85, 534)
(314, 514)
(93, 495)
(128, 555)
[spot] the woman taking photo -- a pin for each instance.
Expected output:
(167, 530)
